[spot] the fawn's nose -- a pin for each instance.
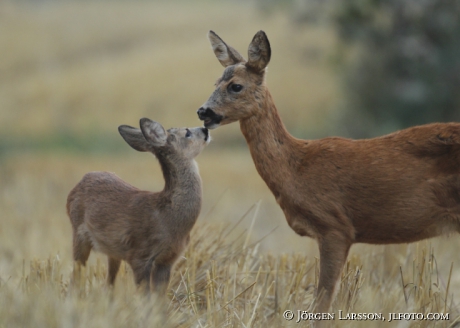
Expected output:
(206, 133)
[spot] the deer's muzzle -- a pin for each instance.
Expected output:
(210, 118)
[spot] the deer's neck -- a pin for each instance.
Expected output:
(272, 148)
(182, 187)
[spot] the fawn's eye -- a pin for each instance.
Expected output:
(236, 87)
(188, 134)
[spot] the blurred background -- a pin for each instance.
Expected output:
(72, 71)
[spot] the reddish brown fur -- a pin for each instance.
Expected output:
(148, 230)
(399, 188)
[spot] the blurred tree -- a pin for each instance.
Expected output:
(399, 61)
(406, 70)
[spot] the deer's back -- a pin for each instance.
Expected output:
(405, 157)
(399, 185)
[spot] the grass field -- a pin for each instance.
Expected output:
(70, 73)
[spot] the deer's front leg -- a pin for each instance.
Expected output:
(333, 250)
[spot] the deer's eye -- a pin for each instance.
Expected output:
(188, 134)
(236, 87)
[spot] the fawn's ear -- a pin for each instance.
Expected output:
(259, 52)
(153, 132)
(133, 137)
(225, 54)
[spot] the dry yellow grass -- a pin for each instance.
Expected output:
(222, 281)
(83, 68)
(228, 277)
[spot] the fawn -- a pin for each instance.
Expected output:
(148, 230)
(398, 188)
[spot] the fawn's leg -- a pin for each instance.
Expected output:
(141, 270)
(160, 277)
(114, 266)
(333, 250)
(81, 247)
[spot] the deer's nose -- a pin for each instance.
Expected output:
(202, 112)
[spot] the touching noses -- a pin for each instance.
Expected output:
(206, 133)
(203, 112)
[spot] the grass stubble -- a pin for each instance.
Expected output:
(223, 280)
(228, 276)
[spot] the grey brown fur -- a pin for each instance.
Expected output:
(148, 230)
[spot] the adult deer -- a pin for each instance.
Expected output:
(149, 230)
(399, 188)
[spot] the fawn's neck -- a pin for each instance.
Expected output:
(272, 148)
(182, 185)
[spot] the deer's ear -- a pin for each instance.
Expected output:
(225, 54)
(133, 137)
(153, 132)
(259, 52)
